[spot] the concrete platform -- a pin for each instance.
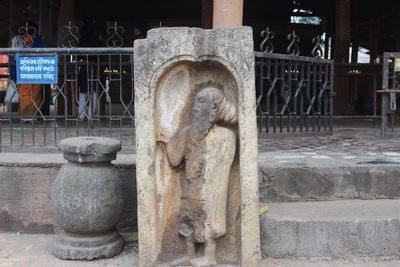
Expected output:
(351, 230)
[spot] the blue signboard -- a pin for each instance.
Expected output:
(37, 69)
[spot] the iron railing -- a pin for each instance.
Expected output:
(390, 89)
(94, 96)
(95, 92)
(294, 93)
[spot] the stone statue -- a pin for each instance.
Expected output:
(206, 150)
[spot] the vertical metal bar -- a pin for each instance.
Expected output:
(308, 97)
(65, 96)
(275, 104)
(267, 95)
(314, 94)
(43, 115)
(110, 106)
(132, 98)
(324, 96)
(301, 101)
(32, 118)
(9, 105)
(54, 114)
(282, 94)
(260, 92)
(98, 94)
(385, 97)
(331, 95)
(320, 95)
(89, 94)
(294, 101)
(120, 93)
(288, 97)
(11, 122)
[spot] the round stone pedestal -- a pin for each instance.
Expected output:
(87, 200)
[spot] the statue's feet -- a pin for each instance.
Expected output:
(203, 262)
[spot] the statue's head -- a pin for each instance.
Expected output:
(211, 106)
(206, 104)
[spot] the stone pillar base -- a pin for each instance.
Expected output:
(69, 246)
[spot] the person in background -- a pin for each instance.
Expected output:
(30, 94)
(87, 94)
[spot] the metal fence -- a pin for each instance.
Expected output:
(95, 92)
(94, 96)
(390, 89)
(294, 93)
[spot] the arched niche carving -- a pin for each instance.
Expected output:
(175, 97)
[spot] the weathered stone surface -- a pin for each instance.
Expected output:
(89, 148)
(169, 67)
(87, 198)
(328, 183)
(80, 247)
(87, 201)
(25, 201)
(350, 230)
(207, 151)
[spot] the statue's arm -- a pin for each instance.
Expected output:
(175, 147)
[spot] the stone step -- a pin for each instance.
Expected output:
(348, 230)
(327, 182)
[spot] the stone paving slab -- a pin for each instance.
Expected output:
(345, 140)
(347, 147)
(34, 251)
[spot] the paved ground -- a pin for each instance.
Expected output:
(34, 251)
(344, 139)
(347, 146)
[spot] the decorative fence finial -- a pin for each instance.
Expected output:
(293, 48)
(27, 30)
(317, 49)
(115, 39)
(70, 38)
(266, 45)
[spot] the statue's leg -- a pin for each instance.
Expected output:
(209, 251)
(190, 246)
(209, 255)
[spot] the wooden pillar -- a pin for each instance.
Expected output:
(66, 14)
(227, 13)
(342, 36)
(207, 14)
(15, 18)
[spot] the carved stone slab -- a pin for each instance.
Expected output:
(196, 141)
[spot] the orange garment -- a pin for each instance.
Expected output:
(31, 99)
